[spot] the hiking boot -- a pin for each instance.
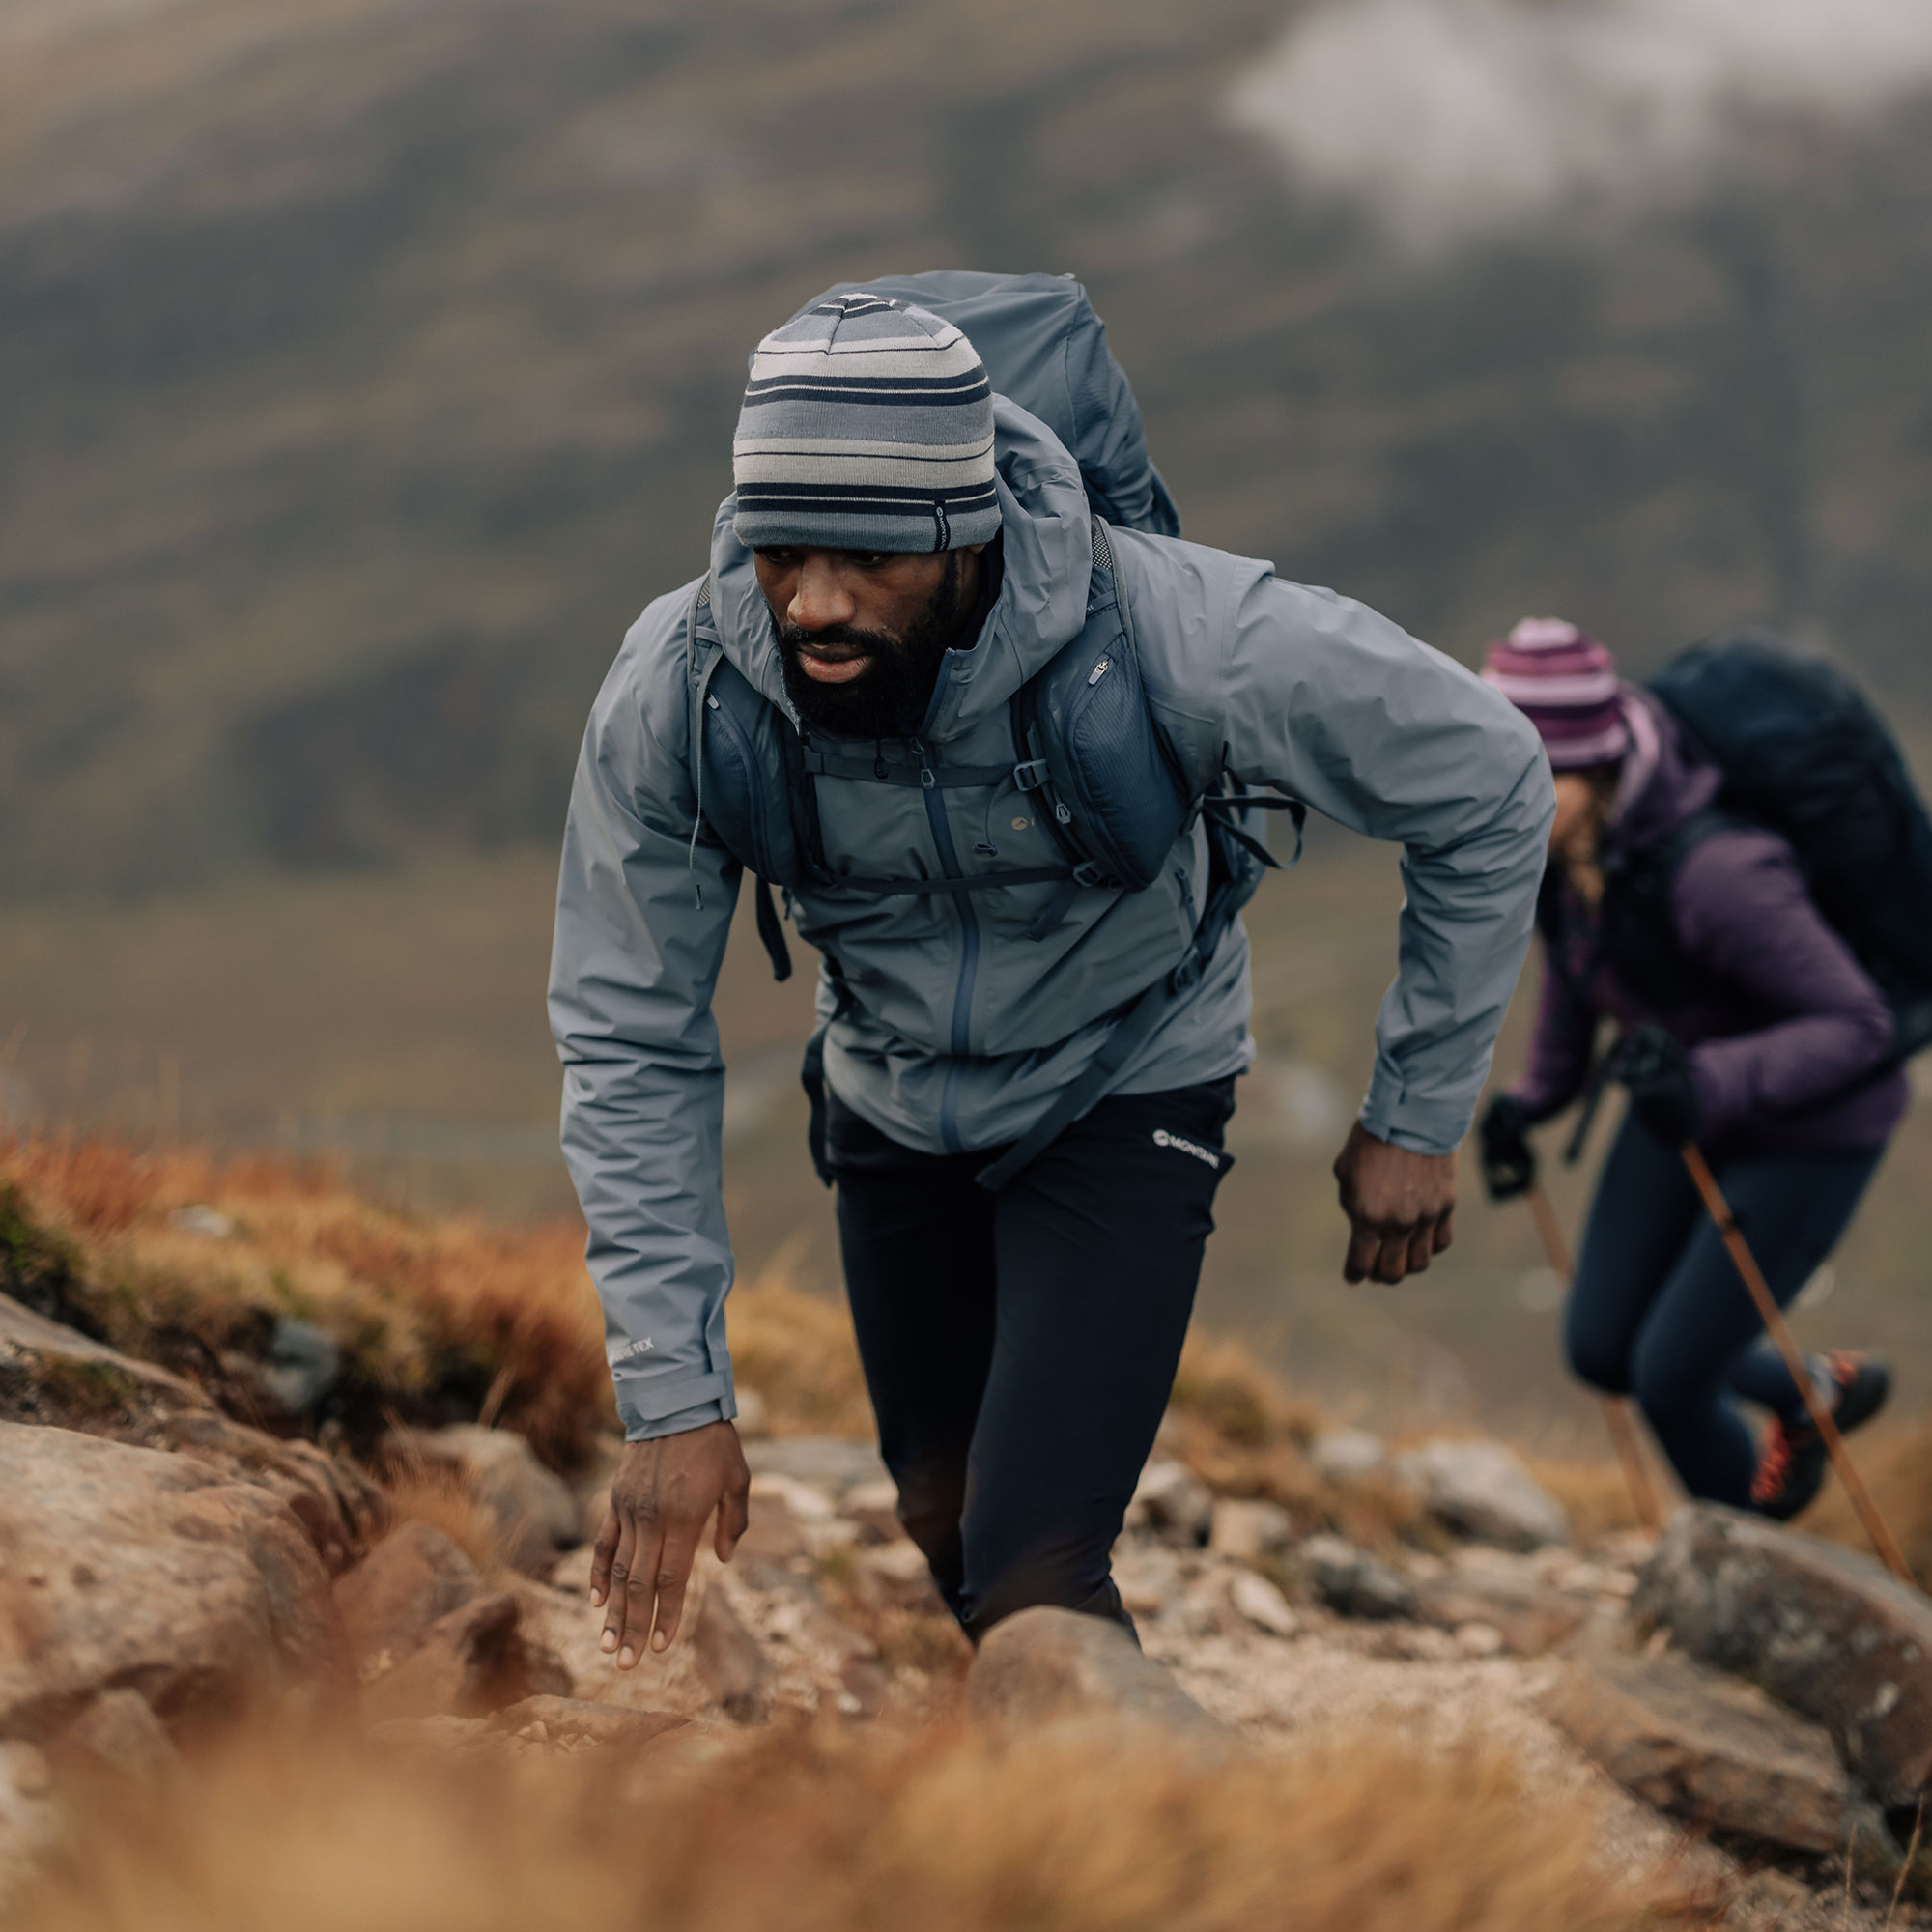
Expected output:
(1791, 1462)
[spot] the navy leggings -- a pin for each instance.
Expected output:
(1659, 1310)
(1019, 1348)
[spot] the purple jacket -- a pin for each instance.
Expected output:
(1788, 1019)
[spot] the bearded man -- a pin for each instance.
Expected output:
(1028, 1057)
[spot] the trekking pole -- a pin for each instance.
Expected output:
(1616, 1410)
(1746, 1263)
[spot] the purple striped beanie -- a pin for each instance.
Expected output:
(1566, 683)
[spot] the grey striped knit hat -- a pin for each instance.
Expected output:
(868, 425)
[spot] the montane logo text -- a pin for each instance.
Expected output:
(1162, 1138)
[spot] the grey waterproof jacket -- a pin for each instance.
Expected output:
(960, 1030)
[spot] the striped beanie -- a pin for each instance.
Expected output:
(867, 424)
(1567, 685)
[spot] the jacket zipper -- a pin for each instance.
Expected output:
(969, 951)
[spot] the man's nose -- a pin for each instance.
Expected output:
(820, 599)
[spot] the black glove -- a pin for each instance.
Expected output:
(1509, 1163)
(1655, 1068)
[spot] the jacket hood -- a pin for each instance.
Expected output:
(1682, 779)
(1046, 534)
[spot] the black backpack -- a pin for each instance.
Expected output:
(1804, 755)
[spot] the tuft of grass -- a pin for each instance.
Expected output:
(37, 1267)
(821, 1829)
(797, 1349)
(1221, 1384)
(434, 1317)
(1595, 1495)
(1895, 1461)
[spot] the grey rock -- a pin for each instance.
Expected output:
(1248, 1531)
(831, 1462)
(1044, 1666)
(1174, 1501)
(1826, 1630)
(1354, 1584)
(1704, 1746)
(1347, 1455)
(533, 1508)
(1482, 1489)
(1506, 1595)
(302, 1366)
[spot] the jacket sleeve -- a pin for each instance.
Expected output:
(1559, 1048)
(643, 914)
(1742, 913)
(1339, 707)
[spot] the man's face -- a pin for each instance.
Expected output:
(860, 633)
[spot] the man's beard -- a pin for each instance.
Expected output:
(888, 698)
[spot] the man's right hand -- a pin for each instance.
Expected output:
(661, 1499)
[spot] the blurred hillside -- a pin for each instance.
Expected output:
(366, 367)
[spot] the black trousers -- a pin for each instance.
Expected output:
(1658, 1310)
(1019, 1348)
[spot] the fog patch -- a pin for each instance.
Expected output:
(1450, 119)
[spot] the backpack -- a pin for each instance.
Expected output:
(1804, 755)
(1084, 739)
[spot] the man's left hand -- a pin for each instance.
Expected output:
(1400, 1206)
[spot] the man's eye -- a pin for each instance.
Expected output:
(870, 559)
(781, 559)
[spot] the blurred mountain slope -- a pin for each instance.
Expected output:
(365, 368)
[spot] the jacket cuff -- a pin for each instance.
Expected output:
(636, 1429)
(650, 1406)
(1414, 1127)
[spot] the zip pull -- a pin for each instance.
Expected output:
(1099, 671)
(925, 777)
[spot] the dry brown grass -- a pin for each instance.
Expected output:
(453, 1311)
(827, 1831)
(797, 1351)
(1895, 1461)
(1595, 1495)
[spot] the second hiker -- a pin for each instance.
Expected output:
(1749, 1028)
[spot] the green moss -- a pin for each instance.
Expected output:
(40, 1269)
(66, 1389)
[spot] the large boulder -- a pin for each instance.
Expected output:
(1827, 1630)
(1482, 1489)
(1704, 1746)
(125, 1568)
(1045, 1664)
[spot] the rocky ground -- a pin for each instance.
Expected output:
(1749, 1709)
